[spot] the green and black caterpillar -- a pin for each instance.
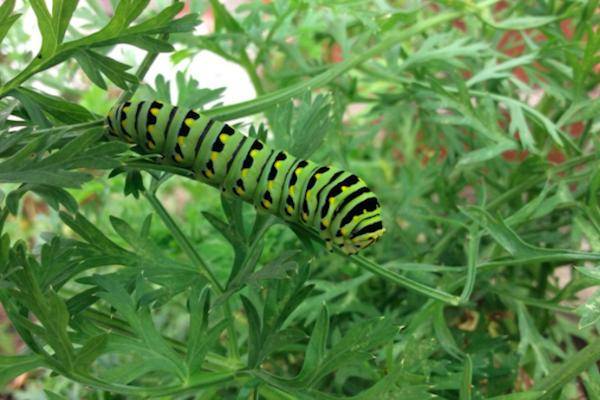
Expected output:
(335, 202)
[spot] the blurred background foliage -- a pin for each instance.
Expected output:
(476, 123)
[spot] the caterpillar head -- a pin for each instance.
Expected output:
(364, 233)
(365, 228)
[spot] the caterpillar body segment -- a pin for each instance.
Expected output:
(335, 202)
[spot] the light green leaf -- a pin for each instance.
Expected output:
(6, 19)
(90, 351)
(486, 153)
(223, 19)
(150, 44)
(593, 272)
(90, 68)
(521, 23)
(254, 332)
(590, 311)
(62, 11)
(47, 29)
(63, 111)
(530, 395)
(519, 125)
(113, 70)
(494, 70)
(315, 351)
(13, 366)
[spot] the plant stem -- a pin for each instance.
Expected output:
(403, 281)
(389, 274)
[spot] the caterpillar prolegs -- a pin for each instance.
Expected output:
(335, 202)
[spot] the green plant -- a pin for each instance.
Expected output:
(477, 129)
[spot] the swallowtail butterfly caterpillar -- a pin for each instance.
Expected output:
(335, 202)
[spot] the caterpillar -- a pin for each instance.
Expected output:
(335, 202)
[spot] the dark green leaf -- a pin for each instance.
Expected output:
(315, 351)
(90, 68)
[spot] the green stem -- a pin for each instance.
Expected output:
(569, 370)
(403, 281)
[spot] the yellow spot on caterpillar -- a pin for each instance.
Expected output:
(298, 171)
(151, 145)
(304, 216)
(266, 203)
(214, 155)
(178, 158)
(244, 172)
(239, 191)
(270, 185)
(253, 153)
(343, 231)
(344, 188)
(292, 190)
(289, 209)
(325, 223)
(331, 200)
(125, 109)
(181, 140)
(317, 176)
(277, 164)
(355, 218)
(154, 111)
(123, 123)
(308, 195)
(189, 121)
(151, 128)
(209, 173)
(224, 137)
